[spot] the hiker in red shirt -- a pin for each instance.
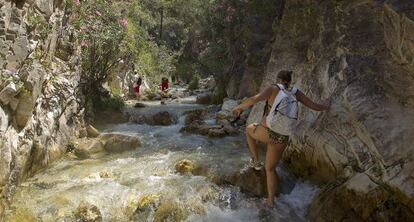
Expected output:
(136, 87)
(164, 84)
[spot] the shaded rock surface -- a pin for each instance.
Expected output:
(364, 64)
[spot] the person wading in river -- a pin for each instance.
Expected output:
(277, 124)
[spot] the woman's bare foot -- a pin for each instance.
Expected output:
(269, 203)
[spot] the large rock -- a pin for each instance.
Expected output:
(164, 118)
(8, 92)
(92, 131)
(249, 180)
(87, 212)
(170, 211)
(192, 116)
(226, 108)
(118, 142)
(87, 147)
(204, 98)
(184, 166)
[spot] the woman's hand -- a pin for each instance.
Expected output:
(236, 111)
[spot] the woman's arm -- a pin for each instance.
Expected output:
(253, 100)
(309, 103)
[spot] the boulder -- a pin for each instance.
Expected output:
(249, 180)
(207, 130)
(140, 105)
(217, 132)
(204, 98)
(164, 118)
(86, 147)
(184, 166)
(226, 108)
(116, 143)
(194, 115)
(92, 131)
(170, 211)
(87, 212)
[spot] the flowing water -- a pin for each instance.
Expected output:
(55, 193)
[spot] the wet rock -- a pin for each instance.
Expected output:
(249, 180)
(164, 118)
(184, 166)
(118, 142)
(86, 147)
(170, 211)
(143, 207)
(140, 105)
(195, 116)
(148, 201)
(357, 199)
(92, 131)
(105, 174)
(216, 132)
(204, 98)
(87, 212)
(207, 130)
(226, 108)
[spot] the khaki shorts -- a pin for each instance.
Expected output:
(275, 137)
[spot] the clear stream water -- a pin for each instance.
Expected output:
(55, 193)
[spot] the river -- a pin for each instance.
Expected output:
(111, 182)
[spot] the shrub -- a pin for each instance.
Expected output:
(194, 82)
(115, 103)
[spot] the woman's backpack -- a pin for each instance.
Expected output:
(284, 112)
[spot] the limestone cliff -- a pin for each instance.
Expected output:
(39, 97)
(360, 54)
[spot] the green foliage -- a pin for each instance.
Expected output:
(194, 82)
(115, 103)
(38, 23)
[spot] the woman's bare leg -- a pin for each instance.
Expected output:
(255, 133)
(273, 155)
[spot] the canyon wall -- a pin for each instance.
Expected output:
(40, 99)
(360, 56)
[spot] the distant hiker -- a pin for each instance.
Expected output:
(164, 84)
(277, 124)
(137, 86)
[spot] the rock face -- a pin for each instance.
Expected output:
(360, 55)
(40, 104)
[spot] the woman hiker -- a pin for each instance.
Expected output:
(137, 86)
(276, 126)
